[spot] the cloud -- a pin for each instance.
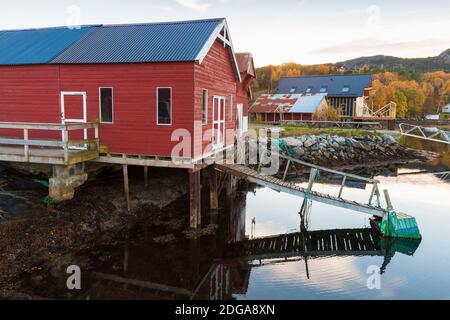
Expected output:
(196, 5)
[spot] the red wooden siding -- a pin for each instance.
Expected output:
(32, 94)
(135, 129)
(216, 74)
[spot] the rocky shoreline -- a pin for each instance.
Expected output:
(337, 151)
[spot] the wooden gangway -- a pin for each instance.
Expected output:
(343, 242)
(280, 185)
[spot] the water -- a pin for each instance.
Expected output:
(211, 268)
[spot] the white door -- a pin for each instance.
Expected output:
(74, 110)
(218, 135)
(240, 119)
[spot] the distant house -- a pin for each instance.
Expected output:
(287, 107)
(347, 92)
(447, 108)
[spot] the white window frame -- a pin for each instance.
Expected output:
(63, 112)
(220, 123)
(171, 107)
(100, 104)
(207, 106)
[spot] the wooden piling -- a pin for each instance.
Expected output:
(126, 186)
(213, 187)
(146, 176)
(195, 199)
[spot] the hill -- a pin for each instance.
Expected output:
(389, 63)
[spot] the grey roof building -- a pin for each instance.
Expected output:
(344, 91)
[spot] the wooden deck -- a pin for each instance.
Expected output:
(48, 151)
(291, 188)
(46, 155)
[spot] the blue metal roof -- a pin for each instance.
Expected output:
(155, 42)
(308, 104)
(37, 46)
(351, 85)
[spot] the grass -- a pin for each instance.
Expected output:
(292, 130)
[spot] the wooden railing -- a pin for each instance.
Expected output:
(65, 144)
(388, 111)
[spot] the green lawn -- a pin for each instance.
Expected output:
(291, 130)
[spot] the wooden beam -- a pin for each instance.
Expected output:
(214, 191)
(194, 199)
(126, 187)
(146, 176)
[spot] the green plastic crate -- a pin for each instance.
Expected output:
(399, 226)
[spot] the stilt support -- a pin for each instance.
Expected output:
(126, 187)
(146, 176)
(195, 198)
(214, 190)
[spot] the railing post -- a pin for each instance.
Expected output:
(375, 186)
(97, 139)
(26, 147)
(66, 144)
(342, 187)
(287, 169)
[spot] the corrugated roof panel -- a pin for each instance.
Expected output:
(308, 104)
(37, 46)
(334, 84)
(155, 42)
(287, 103)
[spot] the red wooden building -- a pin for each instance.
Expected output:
(141, 82)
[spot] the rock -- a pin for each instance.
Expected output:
(336, 145)
(309, 143)
(299, 151)
(389, 140)
(351, 142)
(292, 142)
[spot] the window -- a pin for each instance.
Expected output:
(309, 90)
(230, 109)
(164, 100)
(106, 105)
(346, 89)
(205, 107)
(323, 89)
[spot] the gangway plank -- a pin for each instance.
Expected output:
(279, 185)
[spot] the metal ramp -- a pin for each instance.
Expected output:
(390, 223)
(425, 133)
(279, 185)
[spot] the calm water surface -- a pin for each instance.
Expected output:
(211, 269)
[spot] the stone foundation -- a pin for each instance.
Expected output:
(65, 180)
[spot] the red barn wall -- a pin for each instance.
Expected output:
(135, 129)
(29, 94)
(215, 73)
(32, 94)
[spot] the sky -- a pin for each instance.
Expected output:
(302, 31)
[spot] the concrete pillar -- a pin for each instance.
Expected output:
(65, 180)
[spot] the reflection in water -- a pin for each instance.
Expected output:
(260, 250)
